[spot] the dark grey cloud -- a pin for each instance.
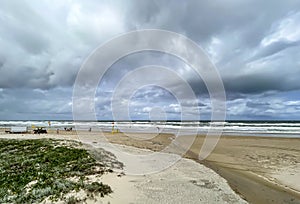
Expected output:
(235, 39)
(201, 20)
(251, 104)
(274, 48)
(29, 104)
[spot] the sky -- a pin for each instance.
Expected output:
(254, 44)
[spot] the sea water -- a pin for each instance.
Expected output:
(242, 128)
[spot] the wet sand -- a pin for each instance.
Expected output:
(260, 169)
(253, 165)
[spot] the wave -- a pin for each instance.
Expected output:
(228, 128)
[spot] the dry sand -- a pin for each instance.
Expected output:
(262, 170)
(185, 182)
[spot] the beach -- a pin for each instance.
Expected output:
(184, 182)
(150, 102)
(259, 169)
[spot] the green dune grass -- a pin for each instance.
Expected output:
(33, 170)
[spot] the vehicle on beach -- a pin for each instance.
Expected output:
(68, 129)
(17, 130)
(40, 130)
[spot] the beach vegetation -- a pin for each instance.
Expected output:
(34, 170)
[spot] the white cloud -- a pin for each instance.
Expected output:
(287, 29)
(147, 109)
(214, 49)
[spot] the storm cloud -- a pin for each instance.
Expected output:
(255, 45)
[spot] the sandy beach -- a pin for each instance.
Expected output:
(185, 182)
(259, 169)
(262, 170)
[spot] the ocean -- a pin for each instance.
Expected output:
(242, 128)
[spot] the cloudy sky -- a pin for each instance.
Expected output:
(254, 44)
